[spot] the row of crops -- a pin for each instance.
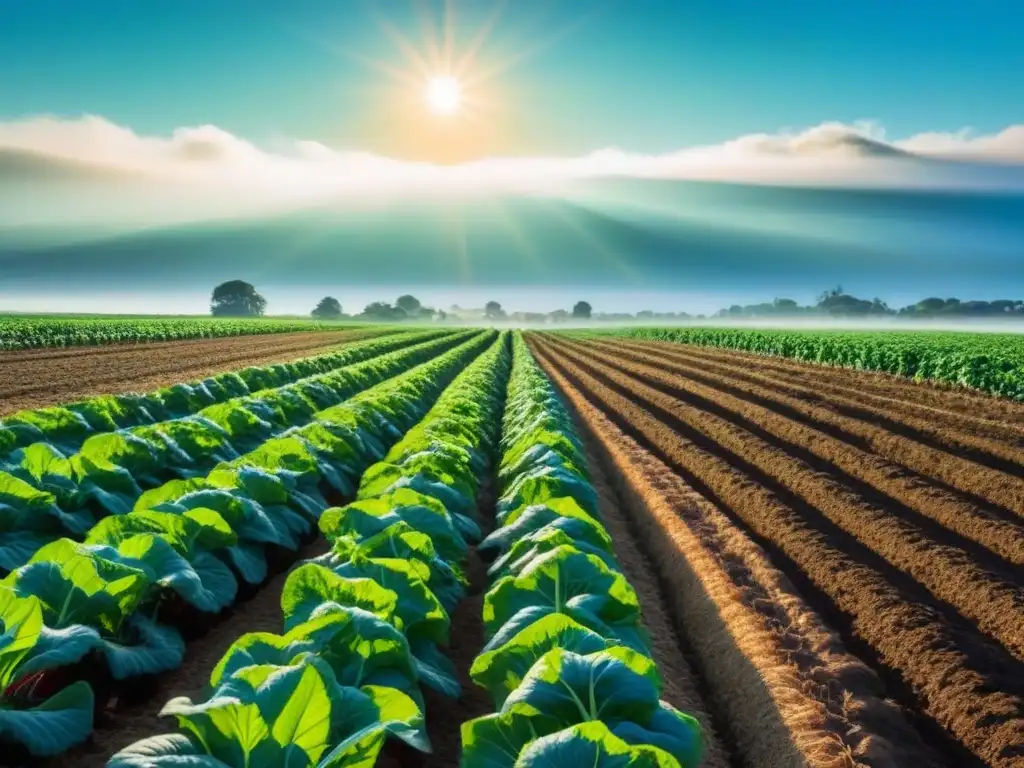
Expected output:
(24, 332)
(990, 362)
(64, 471)
(567, 662)
(90, 615)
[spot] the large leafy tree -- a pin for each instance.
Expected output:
(382, 311)
(409, 304)
(329, 308)
(582, 310)
(237, 298)
(493, 310)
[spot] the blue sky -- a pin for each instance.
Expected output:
(672, 153)
(644, 75)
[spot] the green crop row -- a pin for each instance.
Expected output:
(110, 609)
(365, 622)
(46, 495)
(24, 332)
(66, 427)
(567, 661)
(990, 362)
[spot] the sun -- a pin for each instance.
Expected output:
(444, 95)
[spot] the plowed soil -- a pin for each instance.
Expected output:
(843, 552)
(35, 378)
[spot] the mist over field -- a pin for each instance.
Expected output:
(622, 244)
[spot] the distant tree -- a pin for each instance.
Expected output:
(582, 310)
(329, 308)
(425, 313)
(493, 310)
(409, 304)
(931, 305)
(236, 298)
(837, 291)
(381, 311)
(558, 316)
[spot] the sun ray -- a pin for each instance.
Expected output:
(600, 248)
(449, 38)
(531, 252)
(407, 49)
(428, 31)
(498, 67)
(467, 60)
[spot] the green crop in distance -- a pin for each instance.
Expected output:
(990, 362)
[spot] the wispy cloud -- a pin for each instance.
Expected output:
(96, 171)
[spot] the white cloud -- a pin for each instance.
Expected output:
(206, 172)
(1007, 145)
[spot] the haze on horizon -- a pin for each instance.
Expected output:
(553, 152)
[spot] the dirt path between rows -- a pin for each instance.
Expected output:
(782, 687)
(31, 379)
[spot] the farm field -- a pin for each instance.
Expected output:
(989, 362)
(33, 378)
(503, 549)
(49, 331)
(845, 548)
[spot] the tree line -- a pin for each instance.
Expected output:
(237, 298)
(837, 303)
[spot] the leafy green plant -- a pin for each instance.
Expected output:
(43, 724)
(297, 715)
(567, 660)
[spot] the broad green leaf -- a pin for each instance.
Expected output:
(21, 621)
(594, 746)
(418, 609)
(495, 741)
(312, 590)
(564, 688)
(563, 577)
(61, 722)
(541, 484)
(529, 548)
(367, 517)
(558, 512)
(150, 648)
(502, 670)
(668, 729)
(168, 751)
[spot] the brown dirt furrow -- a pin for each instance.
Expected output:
(914, 475)
(681, 686)
(974, 583)
(995, 444)
(969, 701)
(933, 397)
(788, 692)
(139, 720)
(35, 383)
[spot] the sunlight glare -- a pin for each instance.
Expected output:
(443, 94)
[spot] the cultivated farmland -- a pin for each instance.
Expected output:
(506, 550)
(34, 331)
(845, 549)
(34, 378)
